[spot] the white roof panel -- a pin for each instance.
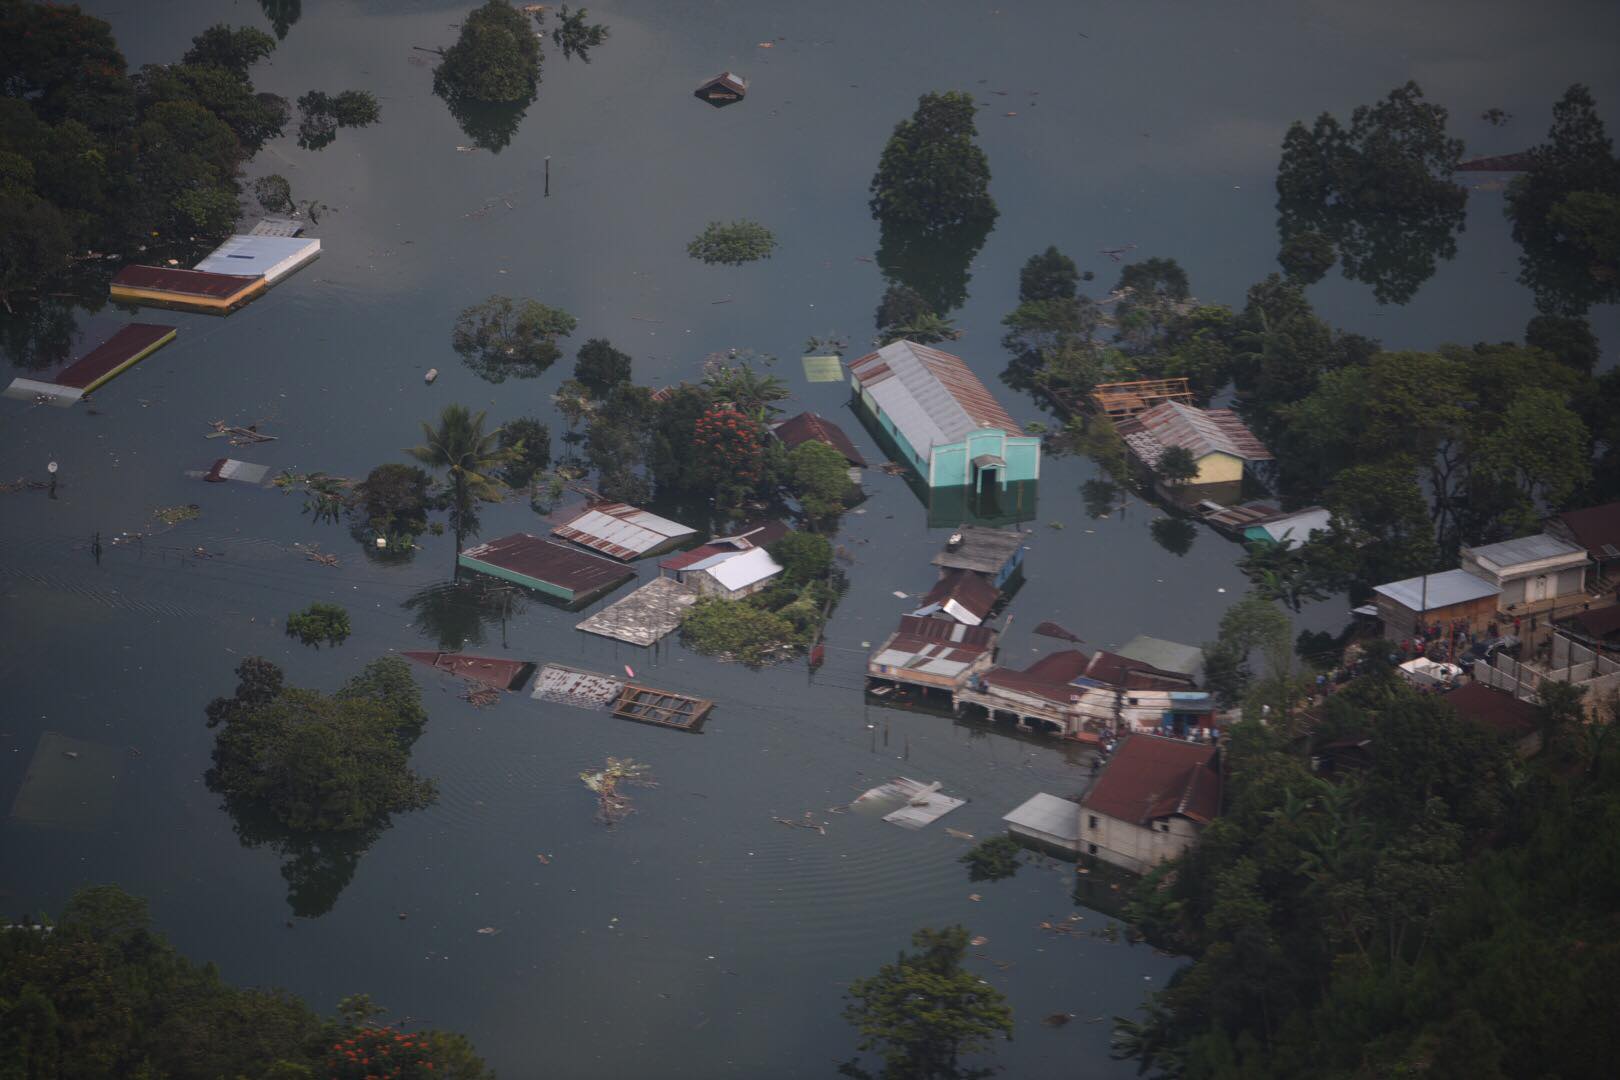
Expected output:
(1048, 814)
(745, 568)
(270, 257)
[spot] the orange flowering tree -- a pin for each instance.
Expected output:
(730, 447)
(381, 1053)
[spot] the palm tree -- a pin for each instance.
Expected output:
(469, 456)
(751, 392)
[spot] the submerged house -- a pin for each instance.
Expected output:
(1084, 697)
(722, 89)
(622, 531)
(555, 569)
(733, 575)
(128, 346)
(994, 554)
(266, 256)
(813, 427)
(1220, 444)
(937, 654)
(945, 424)
(198, 290)
(961, 595)
(1297, 528)
(1150, 803)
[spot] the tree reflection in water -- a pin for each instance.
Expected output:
(1174, 534)
(316, 866)
(455, 614)
(933, 262)
(488, 125)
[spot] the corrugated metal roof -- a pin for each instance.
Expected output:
(1297, 526)
(1525, 549)
(1165, 655)
(620, 530)
(1443, 589)
(1149, 778)
(276, 226)
(981, 549)
(808, 425)
(183, 282)
(1048, 814)
(744, 568)
(1200, 431)
(130, 340)
(555, 564)
(931, 396)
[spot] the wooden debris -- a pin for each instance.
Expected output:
(481, 696)
(239, 436)
(313, 554)
(808, 822)
(613, 806)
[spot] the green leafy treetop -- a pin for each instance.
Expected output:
(600, 367)
(496, 59)
(1051, 275)
(732, 244)
(923, 1012)
(320, 762)
(471, 459)
(503, 338)
(931, 174)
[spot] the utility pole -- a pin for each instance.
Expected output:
(548, 176)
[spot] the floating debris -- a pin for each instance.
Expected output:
(174, 515)
(979, 939)
(808, 822)
(613, 806)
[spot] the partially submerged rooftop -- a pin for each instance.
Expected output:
(1165, 655)
(269, 257)
(622, 531)
(185, 288)
(934, 646)
(1047, 818)
(976, 548)
(551, 568)
(1200, 431)
(644, 616)
(961, 594)
(1149, 778)
(495, 672)
(813, 427)
(931, 396)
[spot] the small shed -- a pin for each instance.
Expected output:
(1049, 821)
(270, 257)
(1530, 569)
(997, 554)
(722, 89)
(622, 531)
(197, 290)
(553, 569)
(813, 427)
(1449, 597)
(734, 576)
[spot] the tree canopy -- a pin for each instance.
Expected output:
(932, 175)
(495, 60)
(503, 338)
(924, 1013)
(320, 762)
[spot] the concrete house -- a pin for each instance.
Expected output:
(945, 423)
(1220, 444)
(1530, 569)
(1151, 802)
(734, 576)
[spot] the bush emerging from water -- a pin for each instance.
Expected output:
(318, 623)
(739, 630)
(734, 244)
(992, 859)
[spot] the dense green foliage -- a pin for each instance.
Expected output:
(818, 476)
(1566, 211)
(529, 443)
(495, 60)
(319, 622)
(600, 367)
(993, 859)
(738, 629)
(576, 37)
(932, 175)
(779, 620)
(320, 762)
(394, 501)
(1445, 912)
(320, 115)
(470, 458)
(732, 244)
(503, 338)
(925, 1012)
(100, 995)
(93, 157)
(1051, 275)
(1379, 191)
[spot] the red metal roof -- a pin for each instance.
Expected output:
(970, 590)
(183, 282)
(1150, 778)
(1049, 677)
(130, 340)
(808, 425)
(499, 673)
(965, 643)
(555, 564)
(1122, 671)
(1495, 709)
(1594, 526)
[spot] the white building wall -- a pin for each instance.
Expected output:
(1136, 848)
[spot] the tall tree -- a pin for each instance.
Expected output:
(502, 337)
(600, 367)
(470, 458)
(932, 175)
(1051, 275)
(924, 1012)
(496, 59)
(1380, 191)
(1557, 237)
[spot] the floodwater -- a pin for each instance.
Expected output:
(699, 937)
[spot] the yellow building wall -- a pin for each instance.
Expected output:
(1219, 469)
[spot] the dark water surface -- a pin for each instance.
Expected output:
(700, 937)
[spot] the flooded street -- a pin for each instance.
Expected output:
(700, 937)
